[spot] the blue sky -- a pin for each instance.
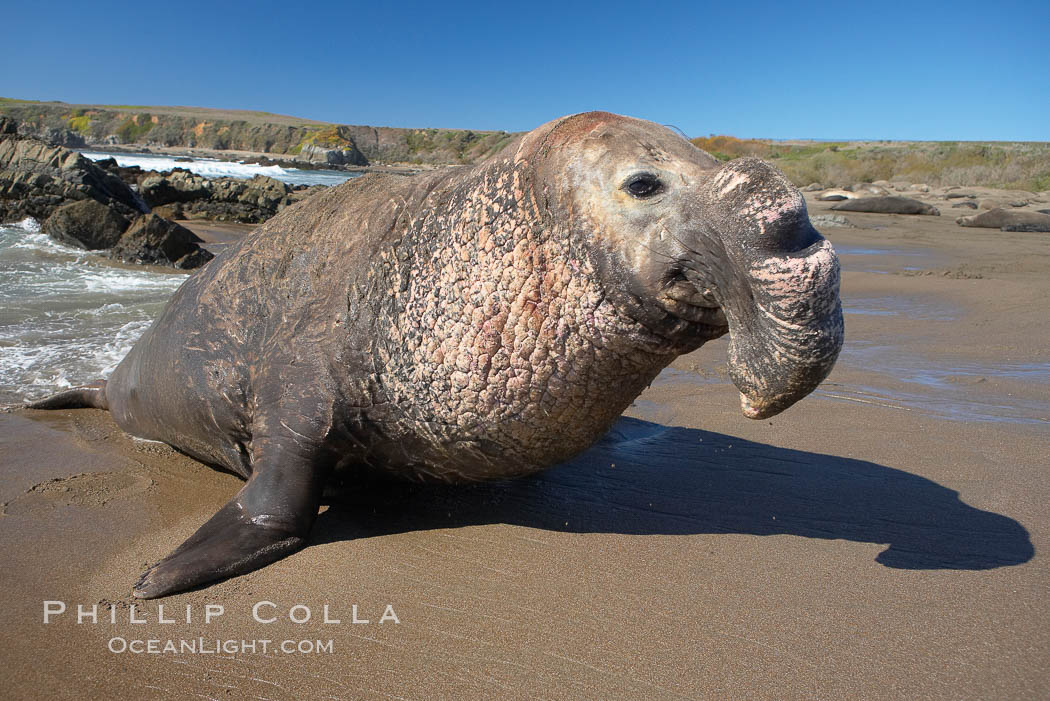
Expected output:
(884, 70)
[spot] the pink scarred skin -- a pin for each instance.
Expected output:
(472, 323)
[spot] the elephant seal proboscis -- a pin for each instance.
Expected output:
(470, 323)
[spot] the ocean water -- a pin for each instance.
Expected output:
(68, 316)
(212, 168)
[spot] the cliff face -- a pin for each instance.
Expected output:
(85, 125)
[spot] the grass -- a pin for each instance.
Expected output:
(1010, 165)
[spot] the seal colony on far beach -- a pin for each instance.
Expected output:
(473, 323)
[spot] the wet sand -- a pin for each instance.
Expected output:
(215, 234)
(884, 538)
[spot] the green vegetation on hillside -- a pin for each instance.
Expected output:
(333, 136)
(134, 128)
(462, 146)
(259, 132)
(1014, 165)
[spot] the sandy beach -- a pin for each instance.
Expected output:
(884, 538)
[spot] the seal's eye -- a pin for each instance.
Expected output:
(642, 185)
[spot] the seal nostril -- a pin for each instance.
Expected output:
(798, 235)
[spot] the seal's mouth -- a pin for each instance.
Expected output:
(695, 304)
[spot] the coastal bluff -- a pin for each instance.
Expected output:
(277, 136)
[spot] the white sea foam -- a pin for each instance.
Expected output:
(208, 167)
(213, 168)
(67, 316)
(33, 239)
(110, 354)
(28, 224)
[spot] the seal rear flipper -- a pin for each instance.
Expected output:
(269, 518)
(229, 544)
(92, 396)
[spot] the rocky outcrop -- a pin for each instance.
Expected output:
(37, 178)
(85, 206)
(153, 239)
(180, 194)
(178, 185)
(86, 224)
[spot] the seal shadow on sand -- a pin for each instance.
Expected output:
(643, 478)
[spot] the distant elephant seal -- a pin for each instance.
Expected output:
(470, 323)
(887, 205)
(1008, 220)
(837, 195)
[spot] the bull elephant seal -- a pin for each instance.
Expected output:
(472, 323)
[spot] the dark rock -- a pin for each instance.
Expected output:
(153, 239)
(832, 220)
(303, 192)
(248, 201)
(220, 199)
(8, 125)
(170, 211)
(86, 224)
(967, 204)
(1008, 220)
(131, 175)
(37, 178)
(61, 137)
(194, 260)
(887, 205)
(177, 186)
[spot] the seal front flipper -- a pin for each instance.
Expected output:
(89, 396)
(269, 518)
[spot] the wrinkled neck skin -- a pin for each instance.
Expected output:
(504, 352)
